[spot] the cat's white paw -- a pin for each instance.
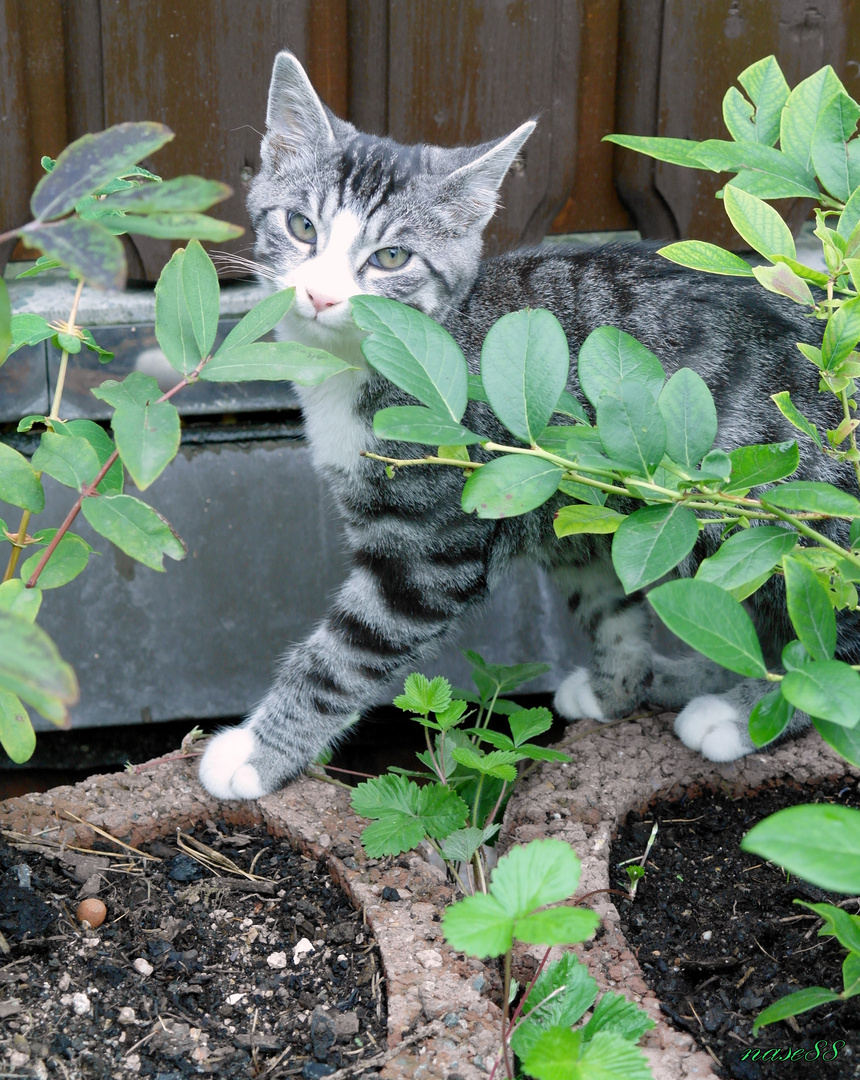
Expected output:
(711, 725)
(224, 769)
(575, 699)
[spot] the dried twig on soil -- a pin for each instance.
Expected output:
(211, 858)
(107, 836)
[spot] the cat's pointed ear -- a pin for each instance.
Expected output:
(479, 180)
(296, 118)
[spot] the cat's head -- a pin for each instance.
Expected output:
(338, 213)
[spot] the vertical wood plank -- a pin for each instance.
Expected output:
(14, 126)
(368, 65)
(473, 71)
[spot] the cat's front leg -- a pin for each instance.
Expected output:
(394, 610)
(619, 626)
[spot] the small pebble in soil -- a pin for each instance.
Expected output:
(389, 893)
(91, 911)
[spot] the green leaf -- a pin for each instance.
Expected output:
(5, 322)
(405, 813)
(793, 1004)
(29, 329)
(202, 296)
(652, 541)
(68, 559)
(851, 975)
(828, 689)
(813, 497)
(16, 599)
(423, 695)
(573, 991)
(622, 1017)
(769, 717)
(845, 741)
(836, 160)
(136, 387)
(788, 409)
(105, 355)
(462, 844)
(41, 264)
(31, 668)
(413, 352)
(631, 427)
(847, 224)
(841, 334)
(184, 193)
(762, 171)
(173, 227)
(559, 1054)
(510, 485)
(91, 161)
(763, 463)
(524, 367)
(147, 437)
(103, 446)
(609, 355)
(712, 622)
(478, 925)
(531, 876)
(837, 923)
(441, 810)
(556, 926)
(274, 360)
(417, 424)
(699, 255)
(676, 151)
(582, 492)
(262, 318)
(810, 610)
(746, 555)
(135, 528)
(16, 732)
(88, 250)
(526, 723)
(690, 415)
(493, 679)
(174, 328)
(759, 224)
(19, 484)
(498, 763)
(568, 405)
(768, 91)
(801, 111)
(571, 520)
(820, 843)
(392, 835)
(806, 273)
(68, 458)
(783, 281)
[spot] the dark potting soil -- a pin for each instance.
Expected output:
(719, 939)
(258, 964)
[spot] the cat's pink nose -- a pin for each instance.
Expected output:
(321, 301)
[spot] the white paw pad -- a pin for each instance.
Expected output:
(712, 726)
(575, 699)
(224, 769)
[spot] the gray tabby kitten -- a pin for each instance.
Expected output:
(338, 213)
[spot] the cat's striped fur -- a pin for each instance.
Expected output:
(419, 562)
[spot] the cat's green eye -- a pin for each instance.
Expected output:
(390, 258)
(301, 227)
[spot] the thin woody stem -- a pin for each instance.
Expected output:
(64, 359)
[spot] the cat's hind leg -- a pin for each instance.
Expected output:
(619, 626)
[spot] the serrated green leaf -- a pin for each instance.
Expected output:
(478, 925)
(135, 528)
(413, 352)
(652, 541)
(272, 360)
(415, 423)
(527, 723)
(88, 250)
(712, 622)
(392, 835)
(462, 844)
(810, 610)
(532, 876)
(820, 843)
(524, 367)
(699, 255)
(556, 926)
(93, 160)
(423, 695)
(509, 486)
(609, 355)
(494, 679)
(622, 1017)
(19, 484)
(560, 1054)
